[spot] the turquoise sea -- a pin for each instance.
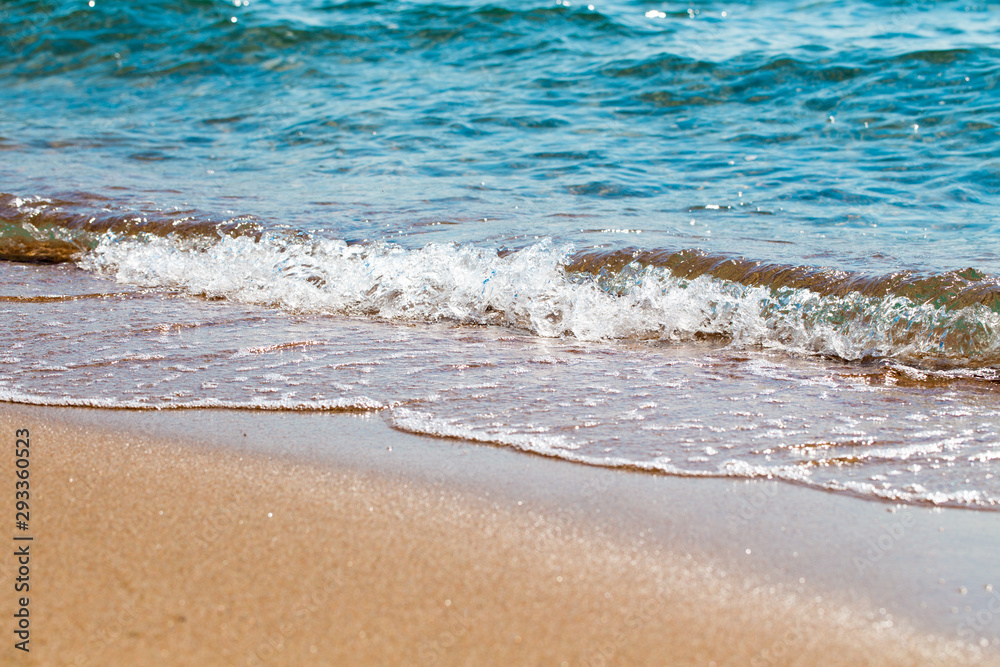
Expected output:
(707, 239)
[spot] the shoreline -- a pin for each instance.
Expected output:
(320, 539)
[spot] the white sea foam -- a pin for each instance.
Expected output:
(421, 423)
(530, 289)
(413, 421)
(359, 404)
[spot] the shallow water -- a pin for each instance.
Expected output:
(702, 239)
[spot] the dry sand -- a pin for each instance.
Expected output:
(156, 551)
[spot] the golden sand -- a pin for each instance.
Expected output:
(154, 552)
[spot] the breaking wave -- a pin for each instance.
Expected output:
(943, 321)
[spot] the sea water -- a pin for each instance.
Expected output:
(705, 239)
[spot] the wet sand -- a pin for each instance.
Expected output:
(238, 538)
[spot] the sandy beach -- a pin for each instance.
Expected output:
(526, 333)
(260, 546)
